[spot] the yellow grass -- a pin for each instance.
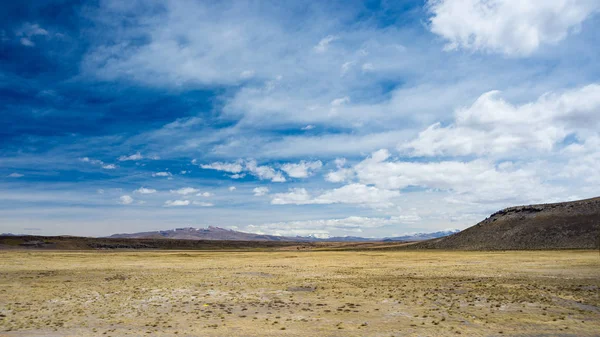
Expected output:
(299, 293)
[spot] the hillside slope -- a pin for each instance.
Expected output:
(567, 225)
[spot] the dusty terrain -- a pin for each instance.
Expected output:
(299, 293)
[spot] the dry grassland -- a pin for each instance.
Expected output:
(552, 293)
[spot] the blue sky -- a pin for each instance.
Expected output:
(373, 118)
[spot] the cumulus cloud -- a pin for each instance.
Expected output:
(349, 194)
(492, 125)
(303, 169)
(262, 172)
(204, 194)
(260, 191)
(226, 167)
(339, 176)
(342, 174)
(176, 203)
(125, 200)
(231, 188)
(476, 181)
(144, 190)
(135, 156)
(15, 175)
(186, 191)
(512, 27)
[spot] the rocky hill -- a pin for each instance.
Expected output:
(566, 225)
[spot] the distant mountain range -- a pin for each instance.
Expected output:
(217, 233)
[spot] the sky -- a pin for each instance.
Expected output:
(323, 118)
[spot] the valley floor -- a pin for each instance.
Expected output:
(432, 293)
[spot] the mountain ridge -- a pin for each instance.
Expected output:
(218, 233)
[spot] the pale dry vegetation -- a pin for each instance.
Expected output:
(301, 293)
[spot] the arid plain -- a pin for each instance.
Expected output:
(299, 293)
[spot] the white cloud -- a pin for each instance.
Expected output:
(175, 203)
(15, 175)
(296, 196)
(477, 181)
(582, 163)
(31, 29)
(231, 188)
(135, 156)
(493, 126)
(358, 194)
(512, 27)
(186, 191)
(263, 172)
(98, 163)
(340, 175)
(303, 169)
(308, 127)
(260, 191)
(349, 194)
(28, 32)
(204, 194)
(340, 162)
(322, 46)
(226, 167)
(125, 200)
(143, 190)
(162, 174)
(203, 204)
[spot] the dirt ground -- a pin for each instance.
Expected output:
(533, 293)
